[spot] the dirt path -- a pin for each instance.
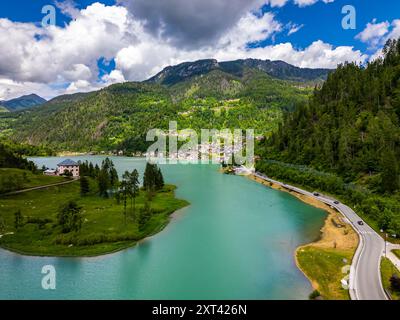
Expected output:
(38, 188)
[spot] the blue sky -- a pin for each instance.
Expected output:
(320, 21)
(30, 11)
(323, 21)
(97, 43)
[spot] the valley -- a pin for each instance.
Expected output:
(304, 125)
(118, 117)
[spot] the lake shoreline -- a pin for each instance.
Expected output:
(329, 236)
(201, 239)
(128, 245)
(131, 245)
(52, 249)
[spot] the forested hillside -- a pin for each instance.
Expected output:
(23, 103)
(10, 158)
(350, 128)
(118, 117)
(351, 125)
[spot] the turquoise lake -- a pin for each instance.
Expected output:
(235, 241)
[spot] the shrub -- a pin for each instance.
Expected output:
(395, 283)
(314, 295)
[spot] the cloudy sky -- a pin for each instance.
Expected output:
(97, 43)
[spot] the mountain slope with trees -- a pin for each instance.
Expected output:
(350, 128)
(23, 103)
(276, 69)
(351, 125)
(118, 117)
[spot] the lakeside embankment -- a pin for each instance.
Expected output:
(322, 261)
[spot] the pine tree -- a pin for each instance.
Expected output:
(70, 217)
(91, 170)
(124, 191)
(103, 181)
(159, 179)
(113, 176)
(18, 219)
(390, 172)
(149, 178)
(96, 170)
(145, 215)
(2, 225)
(134, 184)
(85, 187)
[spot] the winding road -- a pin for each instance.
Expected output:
(365, 278)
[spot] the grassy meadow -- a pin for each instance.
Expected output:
(324, 267)
(104, 227)
(17, 179)
(387, 271)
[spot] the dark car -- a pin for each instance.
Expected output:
(316, 194)
(361, 223)
(336, 202)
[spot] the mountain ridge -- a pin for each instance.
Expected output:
(202, 94)
(24, 102)
(276, 69)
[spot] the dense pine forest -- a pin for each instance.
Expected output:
(10, 157)
(346, 139)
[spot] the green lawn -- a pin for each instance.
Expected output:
(397, 253)
(387, 271)
(324, 266)
(103, 231)
(17, 179)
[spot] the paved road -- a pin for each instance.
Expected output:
(365, 279)
(38, 188)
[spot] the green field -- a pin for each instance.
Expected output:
(387, 271)
(324, 267)
(104, 227)
(17, 179)
(397, 253)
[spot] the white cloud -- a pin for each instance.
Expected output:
(317, 55)
(300, 3)
(115, 76)
(395, 30)
(374, 33)
(70, 52)
(294, 28)
(377, 34)
(304, 3)
(138, 62)
(78, 71)
(68, 8)
(10, 89)
(277, 3)
(46, 61)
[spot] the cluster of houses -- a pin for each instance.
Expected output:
(67, 167)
